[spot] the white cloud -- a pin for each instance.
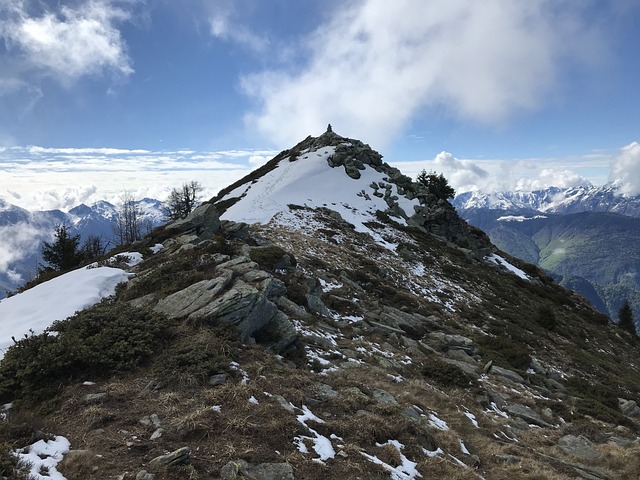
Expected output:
(18, 242)
(15, 277)
(548, 177)
(505, 175)
(223, 24)
(376, 64)
(67, 42)
(625, 169)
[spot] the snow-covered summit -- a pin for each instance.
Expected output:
(343, 175)
(330, 171)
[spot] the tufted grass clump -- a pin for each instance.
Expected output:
(195, 357)
(100, 341)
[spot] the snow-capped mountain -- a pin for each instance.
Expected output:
(606, 198)
(23, 232)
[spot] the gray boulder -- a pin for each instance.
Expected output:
(629, 408)
(194, 297)
(203, 222)
(526, 414)
(578, 447)
(242, 306)
(177, 457)
(239, 469)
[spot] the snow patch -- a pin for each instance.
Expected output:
(321, 444)
(36, 309)
(498, 260)
(44, 456)
(405, 471)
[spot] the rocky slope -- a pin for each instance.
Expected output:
(326, 318)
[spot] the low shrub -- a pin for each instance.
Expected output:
(101, 340)
(546, 317)
(168, 278)
(504, 352)
(272, 257)
(9, 468)
(446, 374)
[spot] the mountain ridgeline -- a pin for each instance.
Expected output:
(327, 317)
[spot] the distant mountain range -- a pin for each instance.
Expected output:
(586, 237)
(22, 233)
(607, 198)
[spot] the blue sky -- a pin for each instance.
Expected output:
(101, 95)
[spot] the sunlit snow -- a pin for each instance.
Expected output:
(37, 308)
(501, 261)
(309, 181)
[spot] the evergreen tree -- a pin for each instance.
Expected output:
(625, 318)
(63, 253)
(436, 185)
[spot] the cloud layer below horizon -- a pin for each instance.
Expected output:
(38, 178)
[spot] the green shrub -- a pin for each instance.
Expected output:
(9, 468)
(99, 341)
(504, 352)
(546, 317)
(272, 257)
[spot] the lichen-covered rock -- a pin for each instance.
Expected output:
(194, 297)
(242, 306)
(239, 469)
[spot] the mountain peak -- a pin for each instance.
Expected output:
(344, 175)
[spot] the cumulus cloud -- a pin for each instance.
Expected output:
(625, 169)
(375, 64)
(66, 42)
(548, 177)
(503, 175)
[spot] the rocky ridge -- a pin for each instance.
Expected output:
(302, 348)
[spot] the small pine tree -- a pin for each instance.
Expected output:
(436, 185)
(625, 318)
(63, 253)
